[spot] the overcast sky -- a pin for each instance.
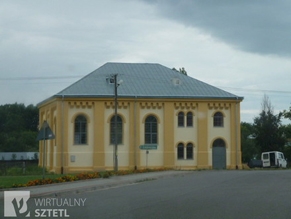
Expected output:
(243, 47)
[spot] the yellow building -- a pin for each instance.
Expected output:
(164, 119)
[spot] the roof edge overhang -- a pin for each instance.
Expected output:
(50, 99)
(147, 97)
(46, 101)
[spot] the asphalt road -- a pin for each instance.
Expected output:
(198, 194)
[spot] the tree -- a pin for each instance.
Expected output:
(269, 135)
(287, 114)
(249, 148)
(287, 134)
(18, 128)
(181, 70)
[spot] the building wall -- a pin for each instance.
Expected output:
(219, 132)
(63, 156)
(155, 157)
(123, 149)
(80, 155)
(186, 134)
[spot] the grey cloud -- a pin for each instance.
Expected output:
(255, 26)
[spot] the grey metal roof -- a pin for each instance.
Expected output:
(143, 80)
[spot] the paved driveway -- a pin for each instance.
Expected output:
(205, 194)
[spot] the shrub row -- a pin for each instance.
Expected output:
(85, 176)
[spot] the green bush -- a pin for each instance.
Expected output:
(33, 170)
(19, 171)
(14, 171)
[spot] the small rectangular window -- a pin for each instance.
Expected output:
(189, 152)
(80, 132)
(180, 152)
(189, 119)
(181, 119)
(218, 119)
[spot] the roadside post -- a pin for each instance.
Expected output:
(148, 147)
(45, 133)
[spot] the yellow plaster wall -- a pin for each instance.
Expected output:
(83, 153)
(48, 113)
(99, 147)
(219, 132)
(66, 137)
(132, 123)
(186, 135)
(123, 149)
(203, 144)
(155, 157)
(235, 137)
(98, 153)
(169, 136)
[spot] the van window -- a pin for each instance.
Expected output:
(265, 156)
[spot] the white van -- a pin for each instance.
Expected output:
(273, 159)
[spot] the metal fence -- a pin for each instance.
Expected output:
(16, 167)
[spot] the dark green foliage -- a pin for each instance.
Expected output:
(287, 134)
(269, 132)
(18, 128)
(287, 114)
(248, 145)
(181, 70)
(268, 128)
(266, 133)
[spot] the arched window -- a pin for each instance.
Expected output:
(189, 119)
(180, 119)
(218, 143)
(180, 151)
(189, 151)
(218, 119)
(119, 130)
(151, 130)
(80, 132)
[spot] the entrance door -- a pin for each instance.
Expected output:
(218, 154)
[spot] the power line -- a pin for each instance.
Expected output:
(40, 78)
(139, 77)
(257, 90)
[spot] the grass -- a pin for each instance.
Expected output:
(33, 169)
(8, 181)
(16, 175)
(33, 176)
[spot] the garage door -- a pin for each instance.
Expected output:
(218, 154)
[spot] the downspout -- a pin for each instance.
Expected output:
(236, 132)
(62, 138)
(134, 138)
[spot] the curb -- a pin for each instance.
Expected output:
(95, 184)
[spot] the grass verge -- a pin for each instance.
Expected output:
(9, 181)
(34, 180)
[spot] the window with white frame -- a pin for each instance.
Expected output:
(80, 130)
(189, 119)
(180, 151)
(189, 151)
(218, 119)
(185, 153)
(151, 130)
(181, 119)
